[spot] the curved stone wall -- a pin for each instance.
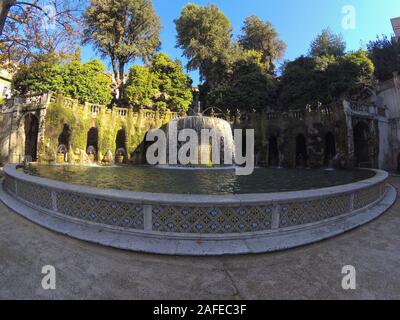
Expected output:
(193, 214)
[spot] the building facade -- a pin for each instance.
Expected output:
(53, 129)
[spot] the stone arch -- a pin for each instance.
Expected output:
(92, 145)
(301, 151)
(330, 148)
(120, 146)
(273, 151)
(361, 134)
(120, 140)
(65, 136)
(31, 130)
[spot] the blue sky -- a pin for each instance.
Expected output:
(297, 21)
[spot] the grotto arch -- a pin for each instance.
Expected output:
(65, 136)
(361, 145)
(31, 128)
(120, 146)
(301, 151)
(330, 148)
(273, 151)
(92, 145)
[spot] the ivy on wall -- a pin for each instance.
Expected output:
(79, 121)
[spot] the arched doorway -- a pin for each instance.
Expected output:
(93, 139)
(31, 125)
(273, 152)
(92, 144)
(120, 143)
(63, 144)
(301, 151)
(330, 148)
(361, 147)
(65, 136)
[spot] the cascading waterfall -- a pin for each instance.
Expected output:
(222, 135)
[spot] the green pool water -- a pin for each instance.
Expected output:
(215, 182)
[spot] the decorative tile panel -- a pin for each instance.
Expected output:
(35, 194)
(212, 219)
(192, 219)
(304, 212)
(365, 197)
(9, 184)
(115, 213)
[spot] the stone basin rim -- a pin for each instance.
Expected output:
(165, 198)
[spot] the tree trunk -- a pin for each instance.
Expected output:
(121, 87)
(4, 10)
(116, 78)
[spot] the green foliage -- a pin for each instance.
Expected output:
(236, 74)
(40, 76)
(351, 75)
(139, 88)
(173, 85)
(262, 37)
(85, 82)
(301, 84)
(57, 116)
(162, 85)
(204, 35)
(328, 44)
(248, 87)
(309, 80)
(385, 55)
(123, 31)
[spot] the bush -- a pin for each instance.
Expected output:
(85, 82)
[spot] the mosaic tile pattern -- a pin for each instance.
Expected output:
(119, 214)
(294, 214)
(200, 220)
(363, 198)
(212, 219)
(9, 184)
(35, 194)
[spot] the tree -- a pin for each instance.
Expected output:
(352, 75)
(302, 83)
(173, 85)
(46, 74)
(204, 35)
(313, 80)
(262, 37)
(139, 88)
(248, 88)
(328, 43)
(385, 55)
(31, 29)
(161, 85)
(123, 31)
(85, 82)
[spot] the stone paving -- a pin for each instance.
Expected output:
(89, 271)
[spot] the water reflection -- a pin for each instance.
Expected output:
(157, 180)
